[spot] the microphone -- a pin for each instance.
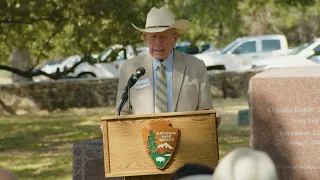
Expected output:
(139, 72)
(131, 82)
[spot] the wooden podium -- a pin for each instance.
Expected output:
(125, 153)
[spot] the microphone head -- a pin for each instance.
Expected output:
(134, 78)
(141, 71)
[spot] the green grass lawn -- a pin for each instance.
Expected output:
(230, 134)
(39, 146)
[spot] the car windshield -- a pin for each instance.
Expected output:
(113, 53)
(298, 49)
(48, 63)
(105, 54)
(229, 46)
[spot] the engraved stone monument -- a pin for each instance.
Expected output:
(284, 117)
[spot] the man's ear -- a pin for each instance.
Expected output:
(176, 36)
(145, 37)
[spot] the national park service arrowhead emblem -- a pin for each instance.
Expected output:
(160, 140)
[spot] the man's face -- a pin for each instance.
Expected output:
(161, 43)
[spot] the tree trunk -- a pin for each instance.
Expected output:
(20, 59)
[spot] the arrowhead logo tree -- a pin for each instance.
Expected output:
(152, 145)
(160, 140)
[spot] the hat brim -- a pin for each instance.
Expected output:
(182, 26)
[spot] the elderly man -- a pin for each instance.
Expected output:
(173, 81)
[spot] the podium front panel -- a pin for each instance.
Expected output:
(125, 154)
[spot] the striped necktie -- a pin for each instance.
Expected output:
(161, 91)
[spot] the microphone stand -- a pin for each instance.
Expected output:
(129, 95)
(125, 96)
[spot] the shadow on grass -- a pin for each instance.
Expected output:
(55, 171)
(40, 147)
(45, 134)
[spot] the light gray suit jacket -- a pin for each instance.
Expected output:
(191, 88)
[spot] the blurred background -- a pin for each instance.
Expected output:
(53, 35)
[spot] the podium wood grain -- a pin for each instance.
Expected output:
(125, 154)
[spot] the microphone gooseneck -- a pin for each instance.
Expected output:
(131, 82)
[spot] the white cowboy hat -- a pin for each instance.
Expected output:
(246, 164)
(161, 19)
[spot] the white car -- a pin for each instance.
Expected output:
(307, 54)
(257, 46)
(83, 70)
(142, 50)
(112, 59)
(283, 61)
(228, 62)
(239, 55)
(116, 55)
(86, 70)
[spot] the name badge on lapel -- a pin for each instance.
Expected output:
(142, 84)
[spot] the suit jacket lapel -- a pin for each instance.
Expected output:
(178, 74)
(149, 96)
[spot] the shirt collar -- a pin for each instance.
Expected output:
(166, 62)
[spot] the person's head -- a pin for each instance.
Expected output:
(246, 164)
(162, 31)
(192, 171)
(7, 175)
(161, 43)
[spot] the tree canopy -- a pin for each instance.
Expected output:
(53, 29)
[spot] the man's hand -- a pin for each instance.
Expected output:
(218, 120)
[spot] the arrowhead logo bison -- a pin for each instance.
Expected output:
(160, 140)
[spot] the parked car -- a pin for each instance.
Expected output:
(257, 46)
(207, 47)
(109, 67)
(186, 47)
(86, 70)
(190, 48)
(142, 50)
(46, 65)
(111, 61)
(309, 50)
(117, 54)
(49, 67)
(307, 54)
(239, 54)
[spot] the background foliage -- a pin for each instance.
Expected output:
(52, 29)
